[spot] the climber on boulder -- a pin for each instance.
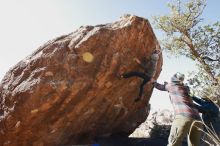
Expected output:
(149, 66)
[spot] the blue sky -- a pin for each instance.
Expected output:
(27, 24)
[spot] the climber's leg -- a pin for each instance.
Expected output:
(133, 74)
(146, 79)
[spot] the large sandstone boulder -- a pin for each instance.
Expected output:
(58, 95)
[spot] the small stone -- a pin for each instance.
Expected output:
(108, 84)
(63, 86)
(53, 131)
(118, 106)
(34, 111)
(49, 73)
(132, 83)
(6, 143)
(2, 132)
(18, 124)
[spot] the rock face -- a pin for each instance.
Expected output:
(54, 97)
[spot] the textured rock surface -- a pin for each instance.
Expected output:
(53, 97)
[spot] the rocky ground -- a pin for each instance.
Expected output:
(153, 132)
(125, 141)
(157, 124)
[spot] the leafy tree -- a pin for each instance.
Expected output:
(186, 35)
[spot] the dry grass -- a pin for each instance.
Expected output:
(210, 134)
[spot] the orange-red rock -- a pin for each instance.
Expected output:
(54, 97)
